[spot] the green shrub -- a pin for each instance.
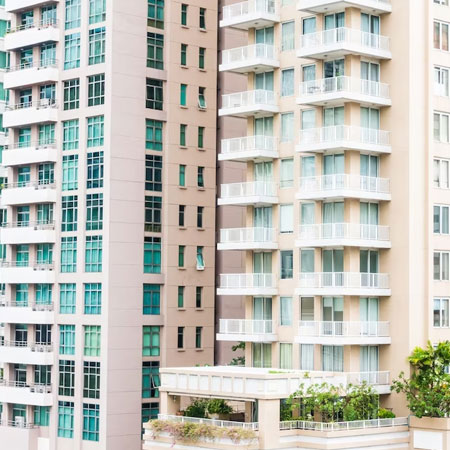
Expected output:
(218, 406)
(197, 409)
(385, 414)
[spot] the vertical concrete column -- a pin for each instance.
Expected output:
(269, 424)
(169, 404)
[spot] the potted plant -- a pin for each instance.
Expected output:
(218, 408)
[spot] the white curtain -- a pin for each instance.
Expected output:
(286, 311)
(285, 356)
(288, 36)
(308, 213)
(263, 217)
(308, 119)
(307, 308)
(307, 261)
(308, 167)
(287, 173)
(307, 357)
(287, 82)
(287, 127)
(309, 25)
(286, 218)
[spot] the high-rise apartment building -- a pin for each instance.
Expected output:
(110, 215)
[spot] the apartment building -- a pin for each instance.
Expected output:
(110, 214)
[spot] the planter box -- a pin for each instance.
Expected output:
(429, 433)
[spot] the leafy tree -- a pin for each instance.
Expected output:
(238, 360)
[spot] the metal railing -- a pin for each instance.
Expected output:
(249, 7)
(342, 35)
(322, 86)
(45, 23)
(34, 306)
(43, 103)
(371, 378)
(249, 144)
(42, 184)
(49, 143)
(216, 423)
(43, 64)
(243, 54)
(37, 388)
(344, 280)
(343, 426)
(343, 181)
(246, 326)
(344, 329)
(247, 235)
(344, 133)
(37, 225)
(344, 231)
(34, 347)
(17, 424)
(247, 280)
(27, 264)
(248, 189)
(249, 99)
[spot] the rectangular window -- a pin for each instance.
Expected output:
(150, 379)
(184, 11)
(285, 356)
(152, 254)
(155, 51)
(153, 134)
(91, 379)
(183, 54)
(183, 129)
(440, 35)
(67, 339)
(92, 340)
(332, 358)
(151, 341)
(307, 357)
(198, 337)
(287, 127)
(201, 57)
(180, 337)
(68, 254)
(66, 378)
(153, 173)
(65, 419)
(41, 416)
(154, 99)
(287, 173)
(71, 51)
(94, 177)
(94, 211)
(202, 19)
(73, 14)
(201, 136)
(202, 97)
(198, 297)
(152, 299)
(287, 82)
(97, 11)
(181, 212)
(153, 208)
(91, 422)
(69, 207)
(183, 94)
(286, 311)
(95, 131)
(287, 36)
(67, 298)
(200, 216)
(70, 172)
(47, 134)
(96, 89)
(70, 134)
(441, 219)
(441, 173)
(287, 218)
(155, 16)
(441, 81)
(93, 254)
(200, 259)
(181, 249)
(182, 175)
(441, 266)
(71, 94)
(441, 2)
(92, 298)
(97, 46)
(441, 312)
(287, 262)
(441, 127)
(200, 177)
(180, 296)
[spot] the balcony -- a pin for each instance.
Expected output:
(32, 34)
(41, 111)
(344, 235)
(344, 186)
(29, 74)
(343, 137)
(28, 232)
(338, 90)
(329, 6)
(254, 238)
(13, 6)
(343, 283)
(343, 333)
(378, 380)
(34, 273)
(249, 193)
(250, 14)
(20, 154)
(247, 330)
(19, 434)
(251, 58)
(22, 393)
(245, 104)
(249, 148)
(339, 42)
(247, 284)
(36, 313)
(25, 193)
(26, 353)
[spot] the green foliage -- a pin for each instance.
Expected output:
(197, 409)
(201, 407)
(385, 414)
(218, 406)
(238, 360)
(428, 389)
(285, 411)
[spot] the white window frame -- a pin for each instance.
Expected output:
(443, 255)
(441, 74)
(441, 208)
(442, 117)
(441, 172)
(443, 321)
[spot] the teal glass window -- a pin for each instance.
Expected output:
(23, 176)
(70, 134)
(152, 299)
(200, 259)
(184, 12)
(201, 137)
(155, 51)
(151, 338)
(198, 337)
(24, 137)
(153, 208)
(92, 337)
(91, 422)
(73, 14)
(72, 51)
(48, 54)
(65, 419)
(46, 173)
(183, 56)
(183, 94)
(202, 19)
(181, 249)
(155, 16)
(152, 254)
(97, 11)
(68, 254)
(22, 255)
(95, 131)
(97, 42)
(93, 256)
(44, 253)
(69, 206)
(153, 134)
(69, 172)
(182, 175)
(94, 170)
(67, 298)
(153, 173)
(67, 339)
(21, 298)
(48, 14)
(154, 94)
(150, 379)
(91, 379)
(92, 298)
(183, 129)
(96, 89)
(41, 416)
(201, 57)
(71, 94)
(45, 214)
(43, 294)
(94, 211)
(46, 134)
(66, 384)
(180, 296)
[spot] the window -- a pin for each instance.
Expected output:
(153, 207)
(201, 135)
(287, 262)
(184, 11)
(287, 218)
(183, 55)
(262, 355)
(92, 340)
(285, 356)
(183, 92)
(69, 172)
(180, 296)
(286, 311)
(42, 416)
(150, 379)
(95, 131)
(71, 94)
(440, 35)
(21, 297)
(65, 419)
(91, 379)
(66, 378)
(287, 82)
(43, 294)
(287, 36)
(68, 254)
(441, 81)
(92, 298)
(441, 266)
(152, 299)
(155, 51)
(332, 358)
(200, 177)
(94, 177)
(182, 175)
(151, 341)
(287, 127)
(149, 411)
(198, 297)
(96, 89)
(91, 422)
(152, 254)
(153, 134)
(154, 99)
(69, 207)
(441, 2)
(180, 337)
(46, 134)
(202, 19)
(94, 211)
(198, 337)
(181, 249)
(287, 173)
(155, 16)
(70, 134)
(441, 219)
(97, 46)
(307, 357)
(183, 135)
(201, 57)
(24, 139)
(67, 298)
(97, 11)
(441, 173)
(200, 259)
(94, 253)
(67, 339)
(200, 216)
(201, 98)
(71, 51)
(153, 173)
(441, 127)
(441, 312)
(73, 14)
(181, 211)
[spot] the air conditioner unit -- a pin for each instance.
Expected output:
(19, 421)
(45, 102)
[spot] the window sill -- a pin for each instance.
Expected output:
(181, 268)
(200, 188)
(185, 27)
(183, 107)
(199, 309)
(184, 67)
(202, 70)
(202, 109)
(182, 228)
(202, 30)
(183, 147)
(181, 350)
(201, 229)
(199, 350)
(201, 149)
(182, 187)
(181, 309)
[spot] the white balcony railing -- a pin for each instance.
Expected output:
(34, 347)
(38, 104)
(344, 36)
(327, 231)
(37, 388)
(249, 148)
(246, 326)
(47, 143)
(34, 306)
(243, 54)
(237, 10)
(247, 281)
(351, 280)
(27, 264)
(36, 225)
(247, 235)
(372, 378)
(248, 189)
(17, 424)
(344, 329)
(216, 423)
(309, 89)
(41, 24)
(42, 184)
(249, 99)
(34, 65)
